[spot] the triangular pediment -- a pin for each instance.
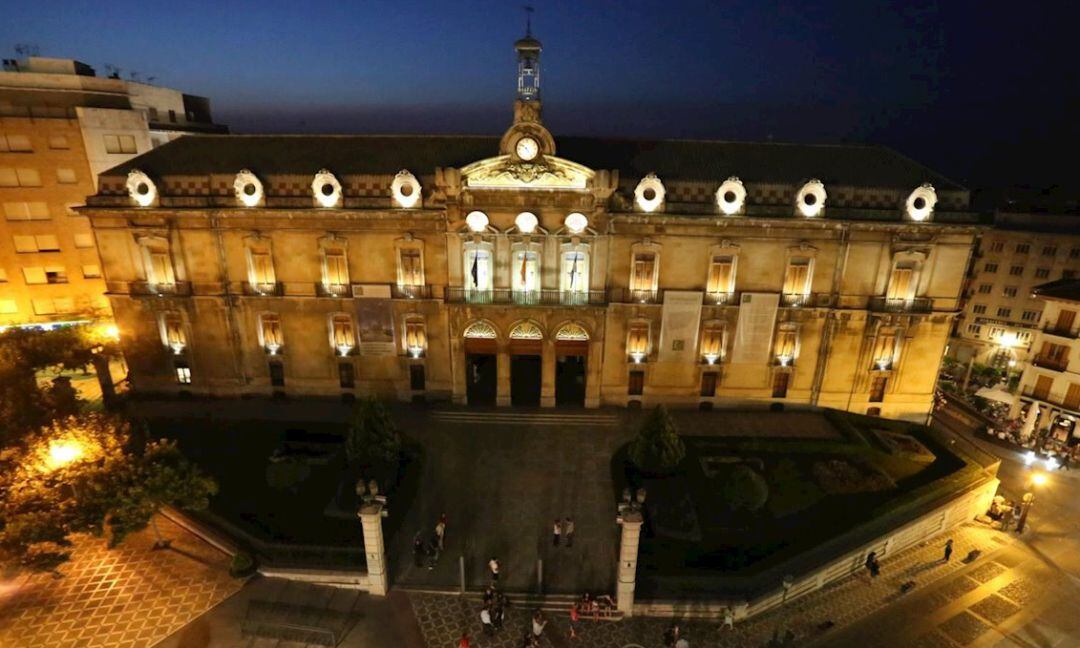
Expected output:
(547, 172)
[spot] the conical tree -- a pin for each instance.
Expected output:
(657, 449)
(372, 436)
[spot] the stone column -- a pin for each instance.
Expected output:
(502, 389)
(593, 364)
(547, 375)
(458, 372)
(628, 557)
(371, 515)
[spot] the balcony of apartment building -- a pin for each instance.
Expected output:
(1041, 392)
(632, 296)
(153, 289)
(1063, 327)
(506, 296)
(807, 300)
(335, 290)
(900, 305)
(1051, 361)
(718, 298)
(264, 289)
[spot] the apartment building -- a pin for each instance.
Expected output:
(1051, 380)
(534, 270)
(61, 125)
(1001, 312)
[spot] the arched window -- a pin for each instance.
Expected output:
(574, 273)
(526, 331)
(480, 330)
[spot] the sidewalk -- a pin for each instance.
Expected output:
(443, 618)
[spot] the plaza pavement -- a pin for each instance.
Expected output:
(127, 597)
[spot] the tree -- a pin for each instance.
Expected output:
(657, 449)
(745, 488)
(372, 437)
(87, 474)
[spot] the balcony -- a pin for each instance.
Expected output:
(333, 290)
(1051, 362)
(627, 296)
(410, 292)
(1052, 329)
(722, 298)
(913, 305)
(807, 300)
(275, 289)
(456, 295)
(1051, 399)
(150, 289)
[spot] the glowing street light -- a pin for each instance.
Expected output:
(1037, 479)
(62, 453)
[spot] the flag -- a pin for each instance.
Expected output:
(573, 273)
(524, 269)
(475, 271)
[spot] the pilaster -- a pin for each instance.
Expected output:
(630, 522)
(371, 515)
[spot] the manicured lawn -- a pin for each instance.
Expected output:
(817, 488)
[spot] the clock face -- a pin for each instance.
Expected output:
(527, 148)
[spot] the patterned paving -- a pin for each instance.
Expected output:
(443, 618)
(127, 597)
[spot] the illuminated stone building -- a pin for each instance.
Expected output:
(61, 125)
(535, 270)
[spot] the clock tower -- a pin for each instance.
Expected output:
(527, 140)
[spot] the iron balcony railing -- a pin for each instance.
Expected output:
(333, 290)
(1052, 329)
(1050, 362)
(629, 296)
(913, 305)
(152, 289)
(722, 298)
(264, 289)
(410, 292)
(1051, 399)
(457, 295)
(807, 300)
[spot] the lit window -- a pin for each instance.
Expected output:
(786, 348)
(901, 286)
(66, 176)
(183, 374)
(643, 277)
(270, 332)
(411, 271)
(478, 275)
(415, 337)
(336, 269)
(342, 335)
(721, 275)
(575, 271)
(525, 275)
(15, 143)
(885, 350)
(712, 342)
(172, 332)
(261, 271)
(797, 277)
(637, 341)
(120, 144)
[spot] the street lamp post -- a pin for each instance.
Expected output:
(1038, 479)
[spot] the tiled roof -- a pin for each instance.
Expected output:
(671, 160)
(1063, 289)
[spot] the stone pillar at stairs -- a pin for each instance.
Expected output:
(630, 521)
(371, 514)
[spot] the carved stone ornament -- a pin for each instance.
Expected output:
(248, 188)
(526, 331)
(405, 189)
(576, 222)
(326, 189)
(731, 196)
(548, 172)
(810, 201)
(649, 193)
(141, 188)
(920, 204)
(572, 333)
(480, 330)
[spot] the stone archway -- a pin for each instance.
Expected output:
(571, 359)
(481, 362)
(526, 363)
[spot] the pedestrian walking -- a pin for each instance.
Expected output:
(493, 567)
(498, 612)
(729, 618)
(538, 624)
(948, 549)
(464, 641)
(568, 532)
(485, 618)
(872, 564)
(418, 550)
(440, 530)
(556, 529)
(574, 619)
(671, 635)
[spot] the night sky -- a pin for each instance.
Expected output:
(985, 92)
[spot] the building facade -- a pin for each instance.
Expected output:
(60, 125)
(1049, 394)
(535, 270)
(1001, 313)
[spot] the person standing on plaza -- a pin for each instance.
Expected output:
(871, 564)
(493, 567)
(464, 641)
(556, 529)
(485, 618)
(948, 549)
(440, 531)
(671, 635)
(418, 550)
(574, 619)
(538, 624)
(568, 532)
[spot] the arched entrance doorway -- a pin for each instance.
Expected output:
(526, 365)
(481, 363)
(571, 351)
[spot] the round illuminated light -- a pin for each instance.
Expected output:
(326, 189)
(649, 193)
(405, 189)
(731, 196)
(141, 188)
(526, 222)
(477, 221)
(527, 148)
(576, 223)
(248, 188)
(921, 202)
(810, 201)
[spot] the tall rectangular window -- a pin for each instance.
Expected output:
(270, 329)
(637, 340)
(780, 384)
(636, 383)
(346, 375)
(411, 273)
(262, 269)
(712, 343)
(183, 373)
(575, 271)
(721, 274)
(277, 374)
(643, 274)
(525, 270)
(172, 332)
(797, 277)
(337, 268)
(901, 286)
(415, 337)
(478, 271)
(160, 270)
(884, 350)
(342, 334)
(708, 384)
(786, 345)
(877, 388)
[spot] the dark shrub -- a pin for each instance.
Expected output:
(657, 449)
(745, 488)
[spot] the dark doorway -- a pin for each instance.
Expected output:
(570, 380)
(481, 378)
(525, 380)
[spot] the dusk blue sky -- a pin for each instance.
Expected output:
(985, 92)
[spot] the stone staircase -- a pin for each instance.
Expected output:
(553, 605)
